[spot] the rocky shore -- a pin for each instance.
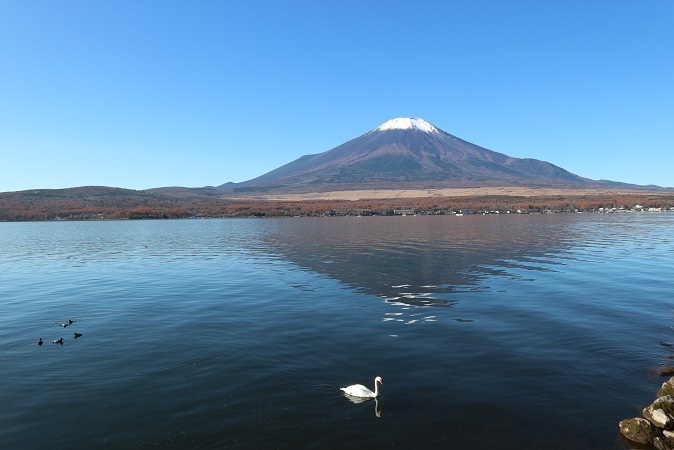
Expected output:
(655, 429)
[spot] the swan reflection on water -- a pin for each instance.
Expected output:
(358, 400)
(358, 393)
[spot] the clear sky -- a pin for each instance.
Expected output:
(150, 93)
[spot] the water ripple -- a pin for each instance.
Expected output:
(239, 333)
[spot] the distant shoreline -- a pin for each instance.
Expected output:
(101, 203)
(393, 194)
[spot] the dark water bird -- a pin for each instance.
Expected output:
(76, 335)
(39, 342)
(70, 322)
(58, 341)
(64, 325)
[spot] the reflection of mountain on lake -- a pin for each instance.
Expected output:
(239, 333)
(423, 261)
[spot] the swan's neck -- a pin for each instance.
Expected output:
(376, 388)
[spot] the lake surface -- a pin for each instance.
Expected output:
(510, 331)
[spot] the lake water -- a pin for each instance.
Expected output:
(510, 331)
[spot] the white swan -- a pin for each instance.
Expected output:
(358, 390)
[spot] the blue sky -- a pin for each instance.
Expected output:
(142, 94)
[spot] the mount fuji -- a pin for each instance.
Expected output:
(407, 152)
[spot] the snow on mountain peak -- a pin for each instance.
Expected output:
(406, 123)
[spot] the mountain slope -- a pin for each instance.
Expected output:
(411, 150)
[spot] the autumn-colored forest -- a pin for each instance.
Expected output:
(89, 203)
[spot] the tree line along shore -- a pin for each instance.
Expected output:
(131, 205)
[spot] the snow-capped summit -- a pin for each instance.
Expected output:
(411, 152)
(406, 123)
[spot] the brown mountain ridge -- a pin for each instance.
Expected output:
(409, 153)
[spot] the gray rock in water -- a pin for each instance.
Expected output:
(638, 431)
(667, 388)
(661, 412)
